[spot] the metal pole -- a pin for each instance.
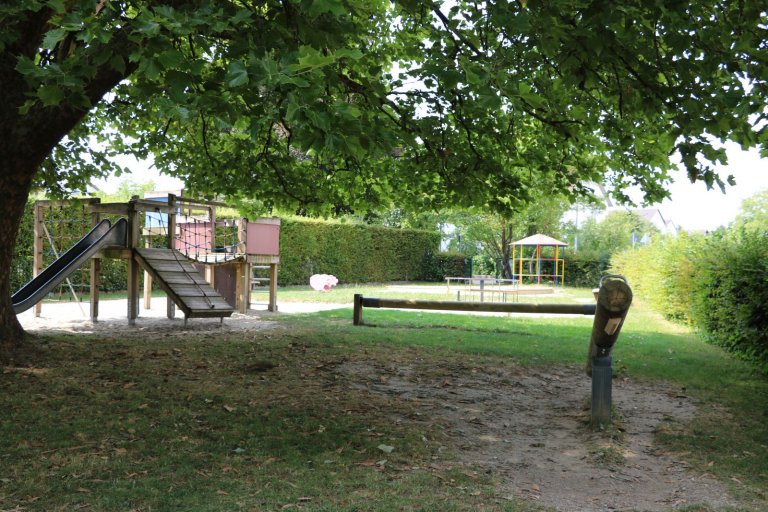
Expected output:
(602, 373)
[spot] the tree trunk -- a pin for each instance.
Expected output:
(26, 140)
(15, 186)
(506, 250)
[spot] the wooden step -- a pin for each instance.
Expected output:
(180, 279)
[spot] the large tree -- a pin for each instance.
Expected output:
(319, 104)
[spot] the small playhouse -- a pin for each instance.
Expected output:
(203, 263)
(538, 259)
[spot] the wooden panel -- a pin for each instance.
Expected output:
(177, 278)
(190, 290)
(161, 254)
(172, 266)
(198, 303)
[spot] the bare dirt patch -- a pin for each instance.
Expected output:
(530, 430)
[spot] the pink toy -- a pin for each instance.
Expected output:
(323, 282)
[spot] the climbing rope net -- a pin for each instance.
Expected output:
(197, 236)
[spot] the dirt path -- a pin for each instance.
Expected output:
(530, 431)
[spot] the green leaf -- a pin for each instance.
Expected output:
(237, 74)
(311, 58)
(335, 7)
(50, 95)
(54, 37)
(242, 16)
(171, 58)
(26, 66)
(118, 63)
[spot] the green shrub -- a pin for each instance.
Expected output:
(438, 266)
(483, 265)
(729, 303)
(663, 273)
(584, 271)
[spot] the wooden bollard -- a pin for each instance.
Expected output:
(613, 300)
(357, 315)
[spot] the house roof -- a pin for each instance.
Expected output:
(539, 239)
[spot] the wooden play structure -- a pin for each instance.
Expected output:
(203, 264)
(538, 259)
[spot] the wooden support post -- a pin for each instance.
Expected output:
(210, 271)
(243, 273)
(357, 315)
(147, 280)
(170, 306)
(95, 275)
(272, 287)
(613, 300)
(37, 249)
(133, 266)
(241, 303)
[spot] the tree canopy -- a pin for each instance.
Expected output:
(314, 104)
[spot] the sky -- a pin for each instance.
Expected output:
(692, 206)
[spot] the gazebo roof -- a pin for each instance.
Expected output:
(539, 239)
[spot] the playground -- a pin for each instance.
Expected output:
(488, 407)
(301, 409)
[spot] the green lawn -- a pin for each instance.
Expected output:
(258, 421)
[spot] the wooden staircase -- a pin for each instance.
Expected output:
(179, 278)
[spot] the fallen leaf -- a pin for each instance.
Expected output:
(229, 408)
(386, 448)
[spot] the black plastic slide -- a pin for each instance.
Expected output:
(103, 234)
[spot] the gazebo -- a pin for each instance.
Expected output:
(529, 261)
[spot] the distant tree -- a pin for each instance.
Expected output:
(493, 233)
(126, 190)
(753, 215)
(618, 230)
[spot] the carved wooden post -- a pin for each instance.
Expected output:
(613, 300)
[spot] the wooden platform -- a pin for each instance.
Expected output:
(179, 278)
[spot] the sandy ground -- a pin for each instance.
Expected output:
(69, 317)
(527, 429)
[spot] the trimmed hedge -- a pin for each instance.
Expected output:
(729, 305)
(664, 273)
(360, 253)
(717, 284)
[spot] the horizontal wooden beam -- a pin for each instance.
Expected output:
(444, 305)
